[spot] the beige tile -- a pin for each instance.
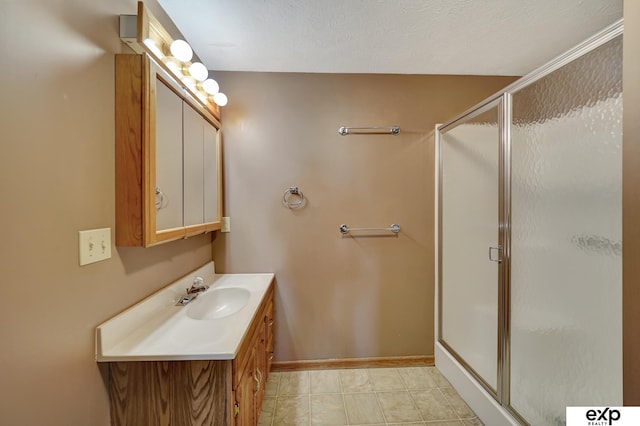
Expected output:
(266, 413)
(275, 376)
(416, 378)
(398, 407)
(362, 408)
(461, 408)
(294, 383)
(386, 379)
(407, 424)
(328, 409)
(325, 381)
(432, 405)
(403, 396)
(271, 387)
(355, 381)
(438, 378)
(292, 410)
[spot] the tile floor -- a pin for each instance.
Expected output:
(372, 396)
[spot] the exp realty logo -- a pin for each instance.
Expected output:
(603, 416)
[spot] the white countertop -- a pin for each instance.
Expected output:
(157, 330)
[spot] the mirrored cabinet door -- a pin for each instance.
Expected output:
(212, 177)
(193, 148)
(168, 153)
(202, 173)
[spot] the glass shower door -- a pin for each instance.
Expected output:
(469, 247)
(566, 239)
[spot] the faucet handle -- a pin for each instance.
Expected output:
(197, 286)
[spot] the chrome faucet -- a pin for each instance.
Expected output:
(192, 292)
(197, 286)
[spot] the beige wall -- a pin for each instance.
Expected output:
(338, 297)
(631, 204)
(56, 178)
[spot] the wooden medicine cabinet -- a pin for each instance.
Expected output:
(168, 158)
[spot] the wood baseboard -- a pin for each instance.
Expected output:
(328, 364)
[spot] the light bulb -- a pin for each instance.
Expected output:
(220, 99)
(190, 83)
(181, 50)
(153, 47)
(198, 71)
(174, 66)
(210, 86)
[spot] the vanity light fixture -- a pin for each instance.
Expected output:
(220, 99)
(190, 82)
(154, 48)
(210, 86)
(181, 50)
(174, 67)
(144, 34)
(198, 71)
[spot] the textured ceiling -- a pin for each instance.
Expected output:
(484, 37)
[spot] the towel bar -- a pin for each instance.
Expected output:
(344, 229)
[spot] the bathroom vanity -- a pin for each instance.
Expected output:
(204, 363)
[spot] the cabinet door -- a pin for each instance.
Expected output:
(212, 175)
(202, 173)
(261, 369)
(245, 397)
(168, 156)
(193, 145)
(269, 339)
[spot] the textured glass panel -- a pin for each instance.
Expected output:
(566, 342)
(469, 226)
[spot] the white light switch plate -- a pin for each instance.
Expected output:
(95, 245)
(226, 224)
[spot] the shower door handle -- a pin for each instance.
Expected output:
(499, 250)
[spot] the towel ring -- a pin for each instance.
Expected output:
(293, 198)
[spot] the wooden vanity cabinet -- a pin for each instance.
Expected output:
(250, 367)
(168, 158)
(199, 392)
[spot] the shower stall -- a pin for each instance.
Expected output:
(529, 241)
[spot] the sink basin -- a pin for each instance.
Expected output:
(218, 303)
